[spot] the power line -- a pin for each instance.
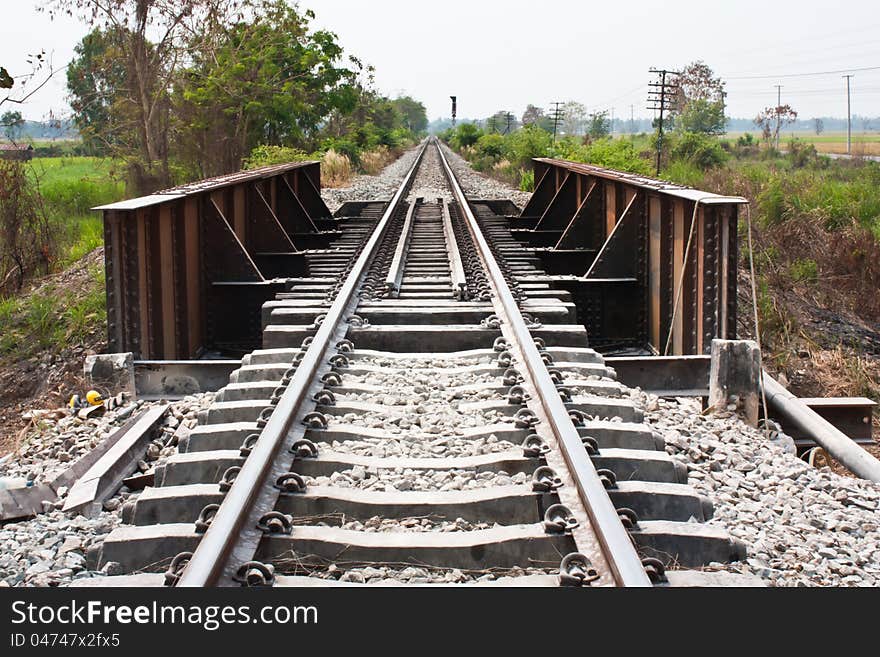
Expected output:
(800, 75)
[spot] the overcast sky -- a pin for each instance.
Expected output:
(503, 54)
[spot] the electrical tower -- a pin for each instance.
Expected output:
(556, 116)
(661, 96)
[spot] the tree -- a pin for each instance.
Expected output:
(772, 119)
(532, 115)
(267, 80)
(152, 66)
(575, 117)
(6, 81)
(415, 117)
(96, 80)
(818, 126)
(598, 125)
(699, 101)
(12, 123)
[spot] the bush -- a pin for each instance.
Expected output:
(700, 150)
(801, 154)
(617, 154)
(490, 146)
(531, 141)
(464, 135)
(265, 155)
(804, 271)
(527, 180)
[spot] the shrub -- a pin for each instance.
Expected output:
(466, 134)
(265, 155)
(804, 271)
(527, 180)
(700, 150)
(801, 154)
(490, 146)
(617, 154)
(531, 141)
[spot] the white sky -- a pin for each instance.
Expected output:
(503, 54)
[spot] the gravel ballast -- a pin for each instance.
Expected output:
(803, 526)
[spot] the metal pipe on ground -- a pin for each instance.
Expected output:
(792, 410)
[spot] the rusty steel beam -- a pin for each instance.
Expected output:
(672, 250)
(166, 252)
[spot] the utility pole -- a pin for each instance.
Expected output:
(612, 121)
(778, 112)
(661, 100)
(632, 119)
(724, 109)
(848, 119)
(556, 116)
(509, 120)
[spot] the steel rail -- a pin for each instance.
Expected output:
(395, 271)
(618, 549)
(456, 268)
(211, 555)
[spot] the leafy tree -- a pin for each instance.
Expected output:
(699, 101)
(575, 117)
(818, 126)
(157, 38)
(268, 80)
(96, 79)
(6, 80)
(12, 123)
(598, 125)
(415, 117)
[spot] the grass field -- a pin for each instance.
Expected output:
(70, 186)
(828, 142)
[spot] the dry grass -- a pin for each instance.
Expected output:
(372, 162)
(335, 169)
(859, 148)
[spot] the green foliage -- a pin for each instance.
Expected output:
(617, 154)
(804, 271)
(413, 115)
(96, 79)
(802, 154)
(464, 135)
(527, 181)
(598, 125)
(698, 149)
(530, 142)
(267, 154)
(6, 81)
(491, 146)
(702, 116)
(53, 318)
(11, 123)
(684, 173)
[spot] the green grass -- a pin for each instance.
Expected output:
(70, 187)
(53, 318)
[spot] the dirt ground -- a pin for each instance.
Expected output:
(47, 379)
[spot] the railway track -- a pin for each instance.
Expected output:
(420, 412)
